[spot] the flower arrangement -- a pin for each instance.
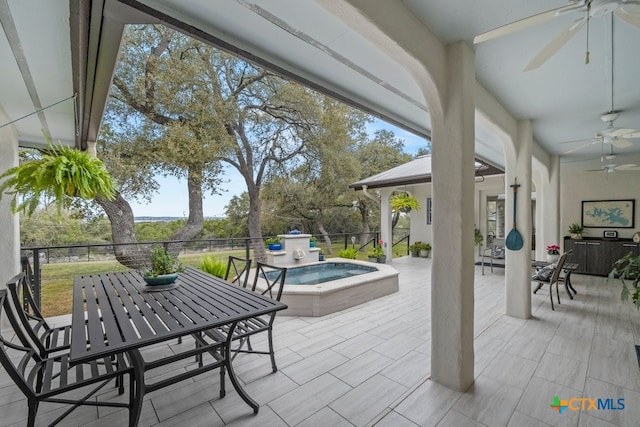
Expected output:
(553, 250)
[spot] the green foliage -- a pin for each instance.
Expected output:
(576, 228)
(349, 253)
(403, 202)
(60, 173)
(162, 262)
(272, 240)
(48, 227)
(477, 237)
(627, 270)
(214, 265)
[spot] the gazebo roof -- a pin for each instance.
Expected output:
(417, 171)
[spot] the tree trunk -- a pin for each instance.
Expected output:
(366, 231)
(123, 232)
(255, 229)
(196, 216)
(327, 239)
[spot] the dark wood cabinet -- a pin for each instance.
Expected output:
(596, 256)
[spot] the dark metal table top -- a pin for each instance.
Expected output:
(122, 314)
(568, 266)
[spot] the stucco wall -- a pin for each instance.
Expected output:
(577, 185)
(10, 242)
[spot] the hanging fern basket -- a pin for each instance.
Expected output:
(62, 172)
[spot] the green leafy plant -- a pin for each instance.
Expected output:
(349, 253)
(214, 265)
(61, 172)
(478, 239)
(313, 239)
(376, 251)
(162, 262)
(627, 270)
(576, 228)
(403, 202)
(272, 240)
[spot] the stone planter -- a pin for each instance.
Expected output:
(162, 279)
(552, 257)
(424, 253)
(382, 259)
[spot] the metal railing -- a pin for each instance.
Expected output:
(137, 253)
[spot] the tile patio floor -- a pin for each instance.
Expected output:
(369, 365)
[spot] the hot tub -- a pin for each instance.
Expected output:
(316, 289)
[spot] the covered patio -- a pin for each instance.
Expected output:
(366, 366)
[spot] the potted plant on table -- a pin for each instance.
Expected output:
(576, 231)
(164, 268)
(274, 244)
(553, 253)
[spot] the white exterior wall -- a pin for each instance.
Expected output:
(10, 246)
(576, 185)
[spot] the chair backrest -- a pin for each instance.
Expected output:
(17, 360)
(238, 268)
(497, 248)
(558, 269)
(24, 307)
(273, 278)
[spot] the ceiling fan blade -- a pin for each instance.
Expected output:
(621, 143)
(632, 18)
(632, 135)
(590, 140)
(555, 44)
(580, 146)
(525, 23)
(628, 167)
(620, 132)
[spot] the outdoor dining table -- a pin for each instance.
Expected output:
(117, 312)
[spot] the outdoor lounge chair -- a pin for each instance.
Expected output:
(54, 379)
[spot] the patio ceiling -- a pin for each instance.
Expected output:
(55, 49)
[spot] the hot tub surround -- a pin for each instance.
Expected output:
(329, 297)
(295, 250)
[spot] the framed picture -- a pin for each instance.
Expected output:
(608, 213)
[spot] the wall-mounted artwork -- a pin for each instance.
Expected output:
(608, 213)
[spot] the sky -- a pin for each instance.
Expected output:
(172, 197)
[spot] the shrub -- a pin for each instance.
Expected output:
(349, 253)
(213, 265)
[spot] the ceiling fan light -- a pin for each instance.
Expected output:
(610, 116)
(603, 7)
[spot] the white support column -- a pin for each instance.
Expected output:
(9, 223)
(452, 273)
(518, 262)
(386, 230)
(548, 207)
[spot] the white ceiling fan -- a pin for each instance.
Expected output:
(615, 137)
(611, 167)
(627, 10)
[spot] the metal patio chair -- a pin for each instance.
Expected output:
(49, 379)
